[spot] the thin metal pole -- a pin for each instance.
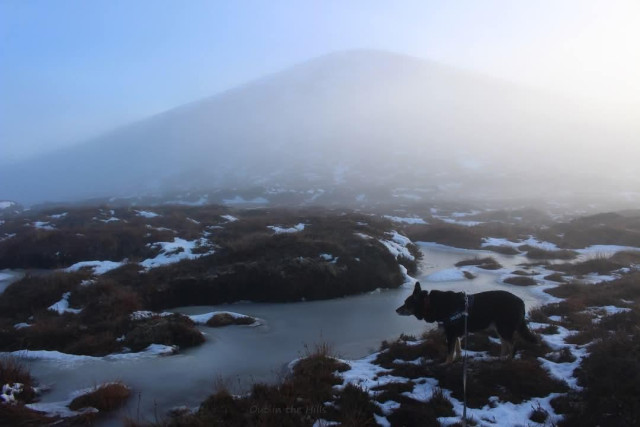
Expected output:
(464, 362)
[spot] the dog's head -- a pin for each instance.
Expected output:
(417, 304)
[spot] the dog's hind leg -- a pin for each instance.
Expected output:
(453, 346)
(506, 339)
(507, 348)
(458, 351)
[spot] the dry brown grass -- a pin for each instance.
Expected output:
(20, 415)
(610, 376)
(12, 372)
(537, 253)
(105, 397)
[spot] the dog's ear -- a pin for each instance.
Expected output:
(417, 289)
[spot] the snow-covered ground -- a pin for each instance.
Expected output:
(398, 245)
(176, 251)
(62, 306)
(202, 319)
(152, 350)
(366, 374)
(98, 267)
(296, 228)
(147, 214)
(406, 220)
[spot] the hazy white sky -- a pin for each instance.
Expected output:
(70, 70)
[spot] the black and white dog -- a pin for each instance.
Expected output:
(501, 309)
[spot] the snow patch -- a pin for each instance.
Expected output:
(397, 246)
(147, 214)
(62, 306)
(531, 241)
(202, 319)
(458, 221)
(43, 225)
(99, 267)
(406, 220)
(241, 201)
(296, 228)
(172, 252)
(68, 359)
(10, 391)
(145, 314)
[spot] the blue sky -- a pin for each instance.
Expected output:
(70, 70)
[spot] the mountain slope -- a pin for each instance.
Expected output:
(355, 119)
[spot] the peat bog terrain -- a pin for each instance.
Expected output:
(102, 281)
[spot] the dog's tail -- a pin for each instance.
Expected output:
(526, 333)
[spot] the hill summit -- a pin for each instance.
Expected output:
(363, 122)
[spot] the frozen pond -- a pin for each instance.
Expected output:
(240, 355)
(7, 277)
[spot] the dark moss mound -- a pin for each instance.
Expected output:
(537, 253)
(505, 250)
(168, 330)
(555, 277)
(520, 281)
(414, 413)
(226, 319)
(487, 263)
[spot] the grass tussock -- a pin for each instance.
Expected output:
(104, 398)
(168, 330)
(399, 351)
(544, 254)
(487, 263)
(555, 277)
(354, 407)
(14, 372)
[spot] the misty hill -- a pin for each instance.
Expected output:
(358, 121)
